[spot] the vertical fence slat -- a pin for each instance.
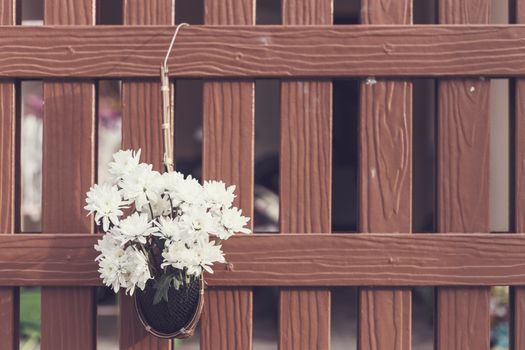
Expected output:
(305, 183)
(9, 297)
(518, 216)
(385, 315)
(228, 148)
(141, 128)
(68, 314)
(463, 321)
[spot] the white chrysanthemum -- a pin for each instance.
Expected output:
(159, 207)
(231, 222)
(188, 193)
(172, 183)
(124, 162)
(109, 247)
(105, 201)
(195, 258)
(197, 219)
(138, 268)
(141, 185)
(169, 229)
(127, 270)
(216, 195)
(137, 228)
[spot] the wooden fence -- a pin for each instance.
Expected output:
(69, 52)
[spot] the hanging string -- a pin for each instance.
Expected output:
(167, 112)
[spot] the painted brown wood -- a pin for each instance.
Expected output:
(517, 326)
(228, 151)
(9, 296)
(305, 183)
(69, 127)
(463, 320)
(264, 51)
(141, 129)
(385, 315)
(319, 260)
(68, 313)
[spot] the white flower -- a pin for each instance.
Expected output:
(169, 229)
(216, 195)
(198, 220)
(127, 270)
(232, 222)
(138, 270)
(159, 207)
(189, 192)
(105, 201)
(172, 183)
(123, 163)
(141, 185)
(192, 258)
(136, 227)
(109, 247)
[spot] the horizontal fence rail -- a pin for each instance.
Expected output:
(263, 51)
(294, 260)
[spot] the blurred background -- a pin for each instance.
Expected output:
(266, 217)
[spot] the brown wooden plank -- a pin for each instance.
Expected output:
(9, 296)
(265, 51)
(141, 128)
(517, 326)
(319, 260)
(69, 126)
(385, 315)
(228, 151)
(463, 320)
(305, 183)
(68, 314)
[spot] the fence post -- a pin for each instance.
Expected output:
(463, 321)
(385, 186)
(9, 296)
(141, 128)
(228, 150)
(68, 170)
(305, 183)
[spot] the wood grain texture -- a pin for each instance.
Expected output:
(228, 151)
(305, 183)
(68, 314)
(385, 315)
(139, 12)
(264, 51)
(9, 296)
(318, 260)
(141, 128)
(517, 299)
(142, 120)
(463, 320)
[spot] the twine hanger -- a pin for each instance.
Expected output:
(167, 112)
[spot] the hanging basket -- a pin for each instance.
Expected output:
(175, 318)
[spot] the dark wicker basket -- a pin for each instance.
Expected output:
(176, 318)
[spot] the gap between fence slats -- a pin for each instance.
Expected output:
(228, 151)
(385, 315)
(264, 51)
(141, 129)
(305, 183)
(9, 189)
(463, 321)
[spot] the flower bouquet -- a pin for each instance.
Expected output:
(161, 232)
